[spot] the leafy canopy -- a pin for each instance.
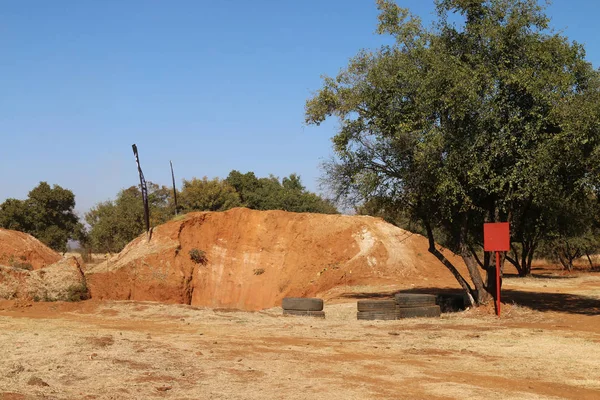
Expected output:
(47, 214)
(207, 195)
(114, 223)
(492, 117)
(271, 194)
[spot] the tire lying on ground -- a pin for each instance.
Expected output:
(414, 300)
(416, 312)
(376, 305)
(302, 304)
(377, 315)
(318, 314)
(376, 310)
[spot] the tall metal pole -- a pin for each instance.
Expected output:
(498, 283)
(144, 188)
(174, 190)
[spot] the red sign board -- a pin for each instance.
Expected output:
(496, 236)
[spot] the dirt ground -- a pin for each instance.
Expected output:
(546, 345)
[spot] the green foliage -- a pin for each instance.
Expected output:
(492, 118)
(113, 224)
(271, 194)
(198, 256)
(47, 214)
(207, 195)
(577, 234)
(77, 293)
(23, 265)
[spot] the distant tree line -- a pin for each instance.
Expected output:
(48, 212)
(114, 223)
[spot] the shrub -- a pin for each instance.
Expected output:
(198, 256)
(22, 265)
(77, 293)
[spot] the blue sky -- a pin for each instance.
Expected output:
(211, 85)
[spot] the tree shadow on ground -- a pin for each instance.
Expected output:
(542, 276)
(559, 302)
(539, 301)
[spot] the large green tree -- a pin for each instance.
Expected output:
(207, 195)
(491, 116)
(114, 223)
(270, 193)
(47, 214)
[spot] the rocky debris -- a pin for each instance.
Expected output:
(63, 280)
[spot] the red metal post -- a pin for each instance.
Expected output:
(498, 283)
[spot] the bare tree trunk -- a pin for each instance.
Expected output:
(524, 254)
(515, 261)
(530, 258)
(476, 256)
(482, 294)
(433, 250)
(589, 260)
(515, 264)
(562, 260)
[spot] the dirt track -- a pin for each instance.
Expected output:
(123, 350)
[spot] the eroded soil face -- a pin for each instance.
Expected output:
(547, 349)
(23, 250)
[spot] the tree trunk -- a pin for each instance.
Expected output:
(530, 258)
(562, 260)
(482, 294)
(589, 260)
(471, 295)
(524, 254)
(515, 261)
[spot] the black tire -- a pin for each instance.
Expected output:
(414, 300)
(419, 312)
(296, 313)
(376, 305)
(302, 304)
(377, 315)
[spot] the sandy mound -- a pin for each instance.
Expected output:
(18, 248)
(255, 258)
(63, 280)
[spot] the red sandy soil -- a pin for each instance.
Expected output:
(19, 247)
(255, 258)
(546, 345)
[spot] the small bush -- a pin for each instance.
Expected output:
(77, 293)
(22, 265)
(198, 256)
(259, 271)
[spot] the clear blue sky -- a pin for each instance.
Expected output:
(211, 85)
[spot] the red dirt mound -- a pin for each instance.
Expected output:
(18, 248)
(255, 258)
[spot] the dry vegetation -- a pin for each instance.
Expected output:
(119, 350)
